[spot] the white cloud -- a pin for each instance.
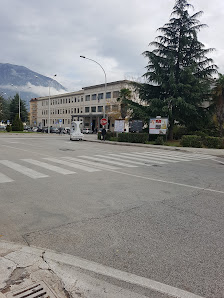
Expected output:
(49, 36)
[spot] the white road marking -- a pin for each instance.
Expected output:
(4, 178)
(92, 163)
(49, 167)
(120, 159)
(72, 165)
(168, 182)
(163, 156)
(181, 154)
(118, 275)
(23, 170)
(156, 159)
(108, 161)
(139, 158)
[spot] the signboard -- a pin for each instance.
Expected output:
(60, 120)
(158, 126)
(8, 122)
(103, 121)
(119, 125)
(136, 125)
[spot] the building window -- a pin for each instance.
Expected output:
(100, 108)
(93, 96)
(86, 109)
(116, 94)
(74, 110)
(78, 111)
(81, 99)
(75, 99)
(63, 121)
(69, 100)
(108, 95)
(86, 124)
(93, 109)
(71, 111)
(100, 96)
(68, 121)
(87, 97)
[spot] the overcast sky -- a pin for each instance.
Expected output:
(48, 36)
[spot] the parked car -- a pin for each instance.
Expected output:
(54, 130)
(87, 130)
(35, 129)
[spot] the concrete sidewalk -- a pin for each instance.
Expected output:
(30, 269)
(214, 152)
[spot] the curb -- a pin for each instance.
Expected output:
(55, 260)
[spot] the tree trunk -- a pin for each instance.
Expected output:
(170, 135)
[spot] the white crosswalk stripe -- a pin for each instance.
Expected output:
(72, 165)
(91, 163)
(108, 161)
(155, 159)
(180, 154)
(139, 158)
(163, 157)
(23, 170)
(4, 178)
(120, 158)
(49, 167)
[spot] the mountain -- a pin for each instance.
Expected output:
(19, 79)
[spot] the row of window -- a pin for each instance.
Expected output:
(95, 96)
(101, 95)
(62, 101)
(94, 109)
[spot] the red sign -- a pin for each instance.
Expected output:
(103, 121)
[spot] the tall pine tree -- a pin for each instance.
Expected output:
(14, 109)
(179, 73)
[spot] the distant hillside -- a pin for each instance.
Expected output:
(29, 83)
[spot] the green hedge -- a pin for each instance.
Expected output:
(191, 141)
(133, 137)
(213, 142)
(199, 141)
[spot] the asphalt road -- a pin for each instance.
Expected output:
(159, 216)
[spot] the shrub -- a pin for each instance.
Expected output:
(191, 141)
(213, 142)
(159, 140)
(133, 137)
(17, 124)
(8, 128)
(179, 131)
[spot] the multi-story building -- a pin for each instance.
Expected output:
(33, 112)
(86, 105)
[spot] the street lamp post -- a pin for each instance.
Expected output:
(105, 84)
(49, 106)
(19, 99)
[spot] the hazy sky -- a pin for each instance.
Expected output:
(48, 36)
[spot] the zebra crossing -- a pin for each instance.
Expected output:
(66, 165)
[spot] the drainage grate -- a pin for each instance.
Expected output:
(39, 289)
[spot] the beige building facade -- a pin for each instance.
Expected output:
(86, 105)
